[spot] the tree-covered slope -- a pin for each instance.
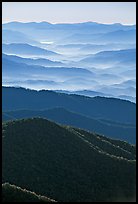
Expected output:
(60, 115)
(67, 164)
(96, 107)
(12, 193)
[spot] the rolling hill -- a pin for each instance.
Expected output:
(123, 132)
(91, 93)
(119, 36)
(97, 107)
(74, 32)
(67, 164)
(12, 193)
(16, 37)
(18, 72)
(111, 57)
(25, 49)
(29, 61)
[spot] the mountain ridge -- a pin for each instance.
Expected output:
(95, 107)
(84, 163)
(123, 132)
(13, 193)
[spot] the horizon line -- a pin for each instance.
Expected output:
(54, 23)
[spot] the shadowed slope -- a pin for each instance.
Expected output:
(60, 163)
(96, 107)
(12, 193)
(126, 132)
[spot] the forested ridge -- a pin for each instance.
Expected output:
(66, 163)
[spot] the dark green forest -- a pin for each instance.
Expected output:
(67, 164)
(12, 193)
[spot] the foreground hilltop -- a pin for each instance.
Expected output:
(67, 164)
(12, 193)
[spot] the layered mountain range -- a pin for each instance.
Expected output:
(68, 112)
(107, 51)
(109, 116)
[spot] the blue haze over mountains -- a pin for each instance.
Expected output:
(108, 52)
(108, 116)
(68, 112)
(66, 60)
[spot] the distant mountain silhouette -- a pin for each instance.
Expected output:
(46, 74)
(123, 132)
(126, 83)
(119, 90)
(84, 93)
(118, 56)
(94, 48)
(16, 37)
(96, 107)
(108, 51)
(13, 70)
(29, 61)
(91, 93)
(25, 49)
(103, 36)
(130, 98)
(119, 36)
(81, 27)
(83, 31)
(67, 164)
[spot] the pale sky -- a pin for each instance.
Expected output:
(70, 12)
